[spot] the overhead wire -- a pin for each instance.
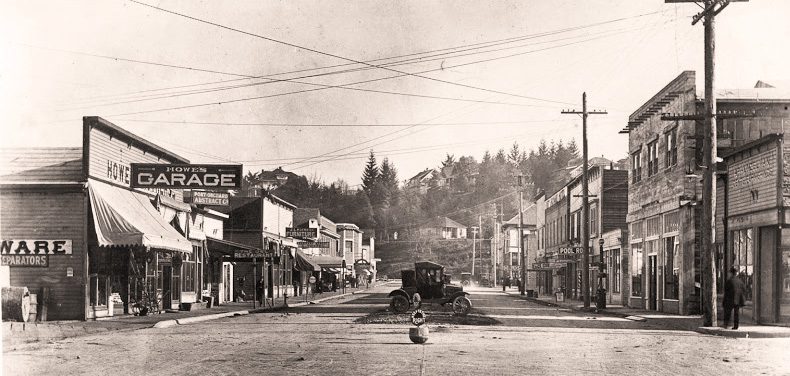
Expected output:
(419, 74)
(247, 76)
(295, 79)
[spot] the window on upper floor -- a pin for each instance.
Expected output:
(636, 166)
(652, 158)
(671, 138)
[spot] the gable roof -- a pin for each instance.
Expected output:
(447, 222)
(41, 165)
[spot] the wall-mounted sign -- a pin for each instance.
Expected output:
(155, 175)
(302, 233)
(118, 171)
(35, 247)
(569, 250)
(241, 254)
(24, 260)
(210, 198)
(313, 244)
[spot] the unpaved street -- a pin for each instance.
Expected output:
(323, 338)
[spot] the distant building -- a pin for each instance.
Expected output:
(421, 181)
(443, 228)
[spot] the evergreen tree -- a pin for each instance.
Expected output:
(370, 175)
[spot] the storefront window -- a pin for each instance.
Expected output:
(742, 259)
(189, 270)
(616, 270)
(784, 309)
(636, 270)
(671, 277)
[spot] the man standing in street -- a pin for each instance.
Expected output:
(733, 298)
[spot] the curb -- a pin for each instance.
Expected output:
(577, 309)
(716, 331)
(189, 320)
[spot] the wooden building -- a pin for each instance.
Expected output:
(72, 228)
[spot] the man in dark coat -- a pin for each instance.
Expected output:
(733, 298)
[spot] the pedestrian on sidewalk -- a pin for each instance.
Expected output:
(733, 298)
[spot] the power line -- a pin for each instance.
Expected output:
(294, 79)
(347, 84)
(329, 54)
(334, 124)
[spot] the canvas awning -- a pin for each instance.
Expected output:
(126, 218)
(305, 264)
(232, 249)
(328, 261)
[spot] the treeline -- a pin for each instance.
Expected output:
(462, 188)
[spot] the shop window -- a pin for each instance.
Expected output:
(671, 222)
(671, 138)
(652, 158)
(636, 166)
(99, 291)
(653, 226)
(671, 270)
(743, 259)
(636, 271)
(189, 269)
(636, 230)
(616, 275)
(593, 220)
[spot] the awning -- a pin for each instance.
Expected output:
(229, 248)
(328, 261)
(305, 264)
(127, 218)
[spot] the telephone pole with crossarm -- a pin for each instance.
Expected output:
(585, 201)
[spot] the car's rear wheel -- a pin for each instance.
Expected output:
(399, 304)
(462, 305)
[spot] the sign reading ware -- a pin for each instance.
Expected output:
(157, 175)
(32, 252)
(211, 198)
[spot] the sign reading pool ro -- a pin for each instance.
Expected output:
(179, 176)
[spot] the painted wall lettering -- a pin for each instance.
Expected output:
(35, 247)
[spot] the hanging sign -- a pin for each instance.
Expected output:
(210, 198)
(157, 175)
(305, 245)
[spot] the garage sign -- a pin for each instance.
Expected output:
(180, 176)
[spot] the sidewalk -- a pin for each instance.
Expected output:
(16, 333)
(677, 322)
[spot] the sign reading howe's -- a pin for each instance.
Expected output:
(156, 175)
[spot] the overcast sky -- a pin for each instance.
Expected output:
(495, 71)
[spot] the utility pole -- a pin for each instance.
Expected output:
(522, 285)
(495, 243)
(708, 218)
(585, 201)
(474, 233)
(480, 226)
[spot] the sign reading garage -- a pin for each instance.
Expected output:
(179, 176)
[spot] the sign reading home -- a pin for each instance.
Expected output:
(178, 176)
(301, 233)
(210, 198)
(31, 252)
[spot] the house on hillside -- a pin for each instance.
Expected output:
(421, 181)
(443, 228)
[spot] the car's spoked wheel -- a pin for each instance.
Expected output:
(399, 304)
(462, 305)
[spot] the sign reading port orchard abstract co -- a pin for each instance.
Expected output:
(180, 176)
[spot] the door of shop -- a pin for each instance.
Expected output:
(652, 283)
(765, 286)
(167, 294)
(227, 292)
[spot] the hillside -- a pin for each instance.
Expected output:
(454, 254)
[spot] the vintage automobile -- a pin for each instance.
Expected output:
(466, 279)
(427, 284)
